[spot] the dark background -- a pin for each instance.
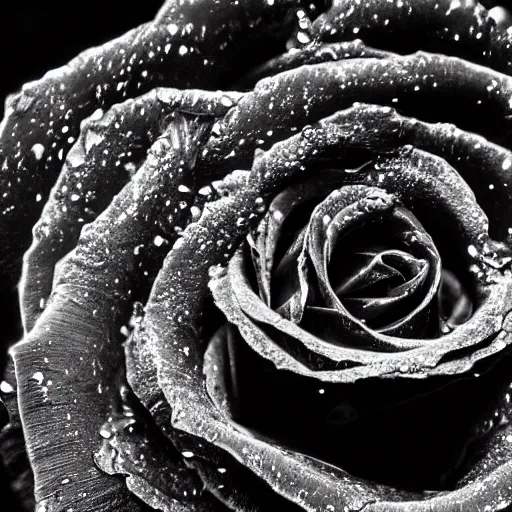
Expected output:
(37, 37)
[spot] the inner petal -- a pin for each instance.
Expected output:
(377, 268)
(455, 303)
(377, 287)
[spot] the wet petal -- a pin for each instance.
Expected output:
(89, 305)
(95, 170)
(466, 30)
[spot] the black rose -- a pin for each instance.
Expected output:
(270, 263)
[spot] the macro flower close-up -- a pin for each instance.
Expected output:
(256, 255)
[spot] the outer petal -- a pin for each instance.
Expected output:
(233, 485)
(189, 44)
(68, 366)
(108, 152)
(466, 30)
(421, 83)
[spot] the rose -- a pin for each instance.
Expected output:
(184, 133)
(186, 440)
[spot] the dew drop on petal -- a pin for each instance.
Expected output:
(5, 387)
(38, 377)
(158, 240)
(38, 150)
(472, 251)
(172, 28)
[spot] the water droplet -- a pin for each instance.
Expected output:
(226, 101)
(105, 434)
(5, 387)
(38, 377)
(260, 204)
(277, 215)
(472, 251)
(158, 240)
(172, 28)
(303, 38)
(195, 213)
(38, 150)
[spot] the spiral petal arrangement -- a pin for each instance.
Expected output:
(270, 239)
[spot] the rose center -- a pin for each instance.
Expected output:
(377, 286)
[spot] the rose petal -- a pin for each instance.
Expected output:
(82, 192)
(190, 44)
(372, 308)
(413, 236)
(155, 471)
(482, 164)
(231, 483)
(311, 54)
(455, 303)
(343, 210)
(53, 391)
(466, 30)
(271, 228)
(422, 82)
(78, 334)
